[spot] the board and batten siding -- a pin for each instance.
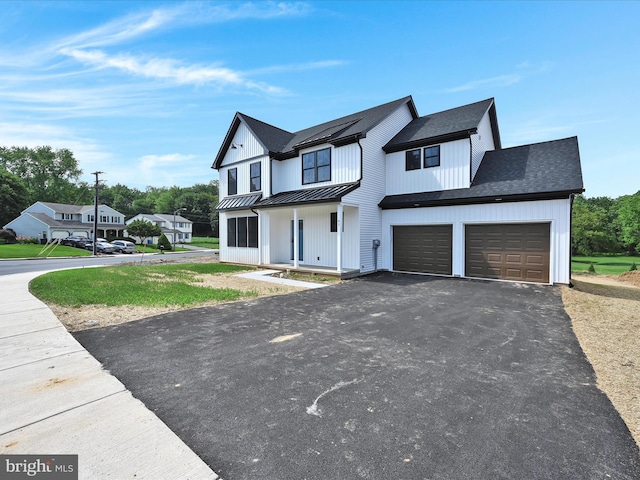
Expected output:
(557, 212)
(480, 143)
(242, 255)
(373, 185)
(244, 176)
(345, 168)
(452, 173)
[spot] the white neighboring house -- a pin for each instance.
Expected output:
(387, 189)
(47, 221)
(178, 232)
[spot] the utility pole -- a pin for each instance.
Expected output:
(95, 214)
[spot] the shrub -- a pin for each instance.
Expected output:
(164, 242)
(591, 268)
(633, 267)
(24, 240)
(9, 236)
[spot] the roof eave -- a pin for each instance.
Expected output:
(449, 202)
(423, 142)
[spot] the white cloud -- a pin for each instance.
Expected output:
(499, 81)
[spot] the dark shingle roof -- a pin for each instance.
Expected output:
(328, 194)
(539, 171)
(456, 122)
(341, 131)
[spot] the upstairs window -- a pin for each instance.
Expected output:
(232, 181)
(432, 156)
(412, 161)
(255, 173)
(316, 166)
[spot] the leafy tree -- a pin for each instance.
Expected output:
(591, 229)
(8, 235)
(13, 197)
(143, 230)
(49, 175)
(628, 220)
(122, 198)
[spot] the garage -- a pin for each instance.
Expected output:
(518, 252)
(422, 249)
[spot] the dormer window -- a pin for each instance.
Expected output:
(432, 156)
(232, 181)
(316, 166)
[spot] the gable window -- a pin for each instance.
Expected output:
(242, 232)
(432, 156)
(256, 183)
(232, 181)
(316, 166)
(412, 161)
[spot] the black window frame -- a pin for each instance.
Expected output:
(231, 232)
(232, 172)
(315, 169)
(428, 154)
(242, 232)
(411, 162)
(255, 181)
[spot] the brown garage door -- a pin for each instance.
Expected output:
(422, 248)
(508, 251)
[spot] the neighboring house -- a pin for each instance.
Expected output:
(176, 228)
(386, 189)
(47, 221)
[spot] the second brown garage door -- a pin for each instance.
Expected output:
(422, 248)
(508, 251)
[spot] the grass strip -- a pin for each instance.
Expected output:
(148, 285)
(30, 250)
(605, 264)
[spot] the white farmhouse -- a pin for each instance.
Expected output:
(387, 189)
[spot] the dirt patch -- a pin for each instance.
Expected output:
(606, 320)
(632, 278)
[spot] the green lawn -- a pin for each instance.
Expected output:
(150, 285)
(17, 250)
(205, 242)
(607, 264)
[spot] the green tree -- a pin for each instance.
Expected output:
(49, 175)
(13, 197)
(122, 198)
(628, 220)
(164, 243)
(143, 230)
(591, 229)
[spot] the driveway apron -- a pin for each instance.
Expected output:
(388, 376)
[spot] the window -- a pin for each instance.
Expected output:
(412, 161)
(232, 181)
(91, 217)
(432, 156)
(104, 218)
(334, 222)
(231, 232)
(256, 184)
(242, 232)
(316, 166)
(67, 216)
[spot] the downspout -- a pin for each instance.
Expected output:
(361, 158)
(259, 237)
(571, 199)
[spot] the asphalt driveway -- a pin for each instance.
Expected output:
(384, 377)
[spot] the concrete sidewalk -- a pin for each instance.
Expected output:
(55, 398)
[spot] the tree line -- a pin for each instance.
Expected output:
(44, 174)
(606, 225)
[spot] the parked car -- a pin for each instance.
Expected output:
(78, 242)
(101, 247)
(124, 246)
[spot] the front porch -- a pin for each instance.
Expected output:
(346, 273)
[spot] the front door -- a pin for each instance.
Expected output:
(300, 239)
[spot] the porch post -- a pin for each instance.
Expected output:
(339, 239)
(296, 239)
(259, 238)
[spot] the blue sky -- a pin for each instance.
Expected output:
(145, 91)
